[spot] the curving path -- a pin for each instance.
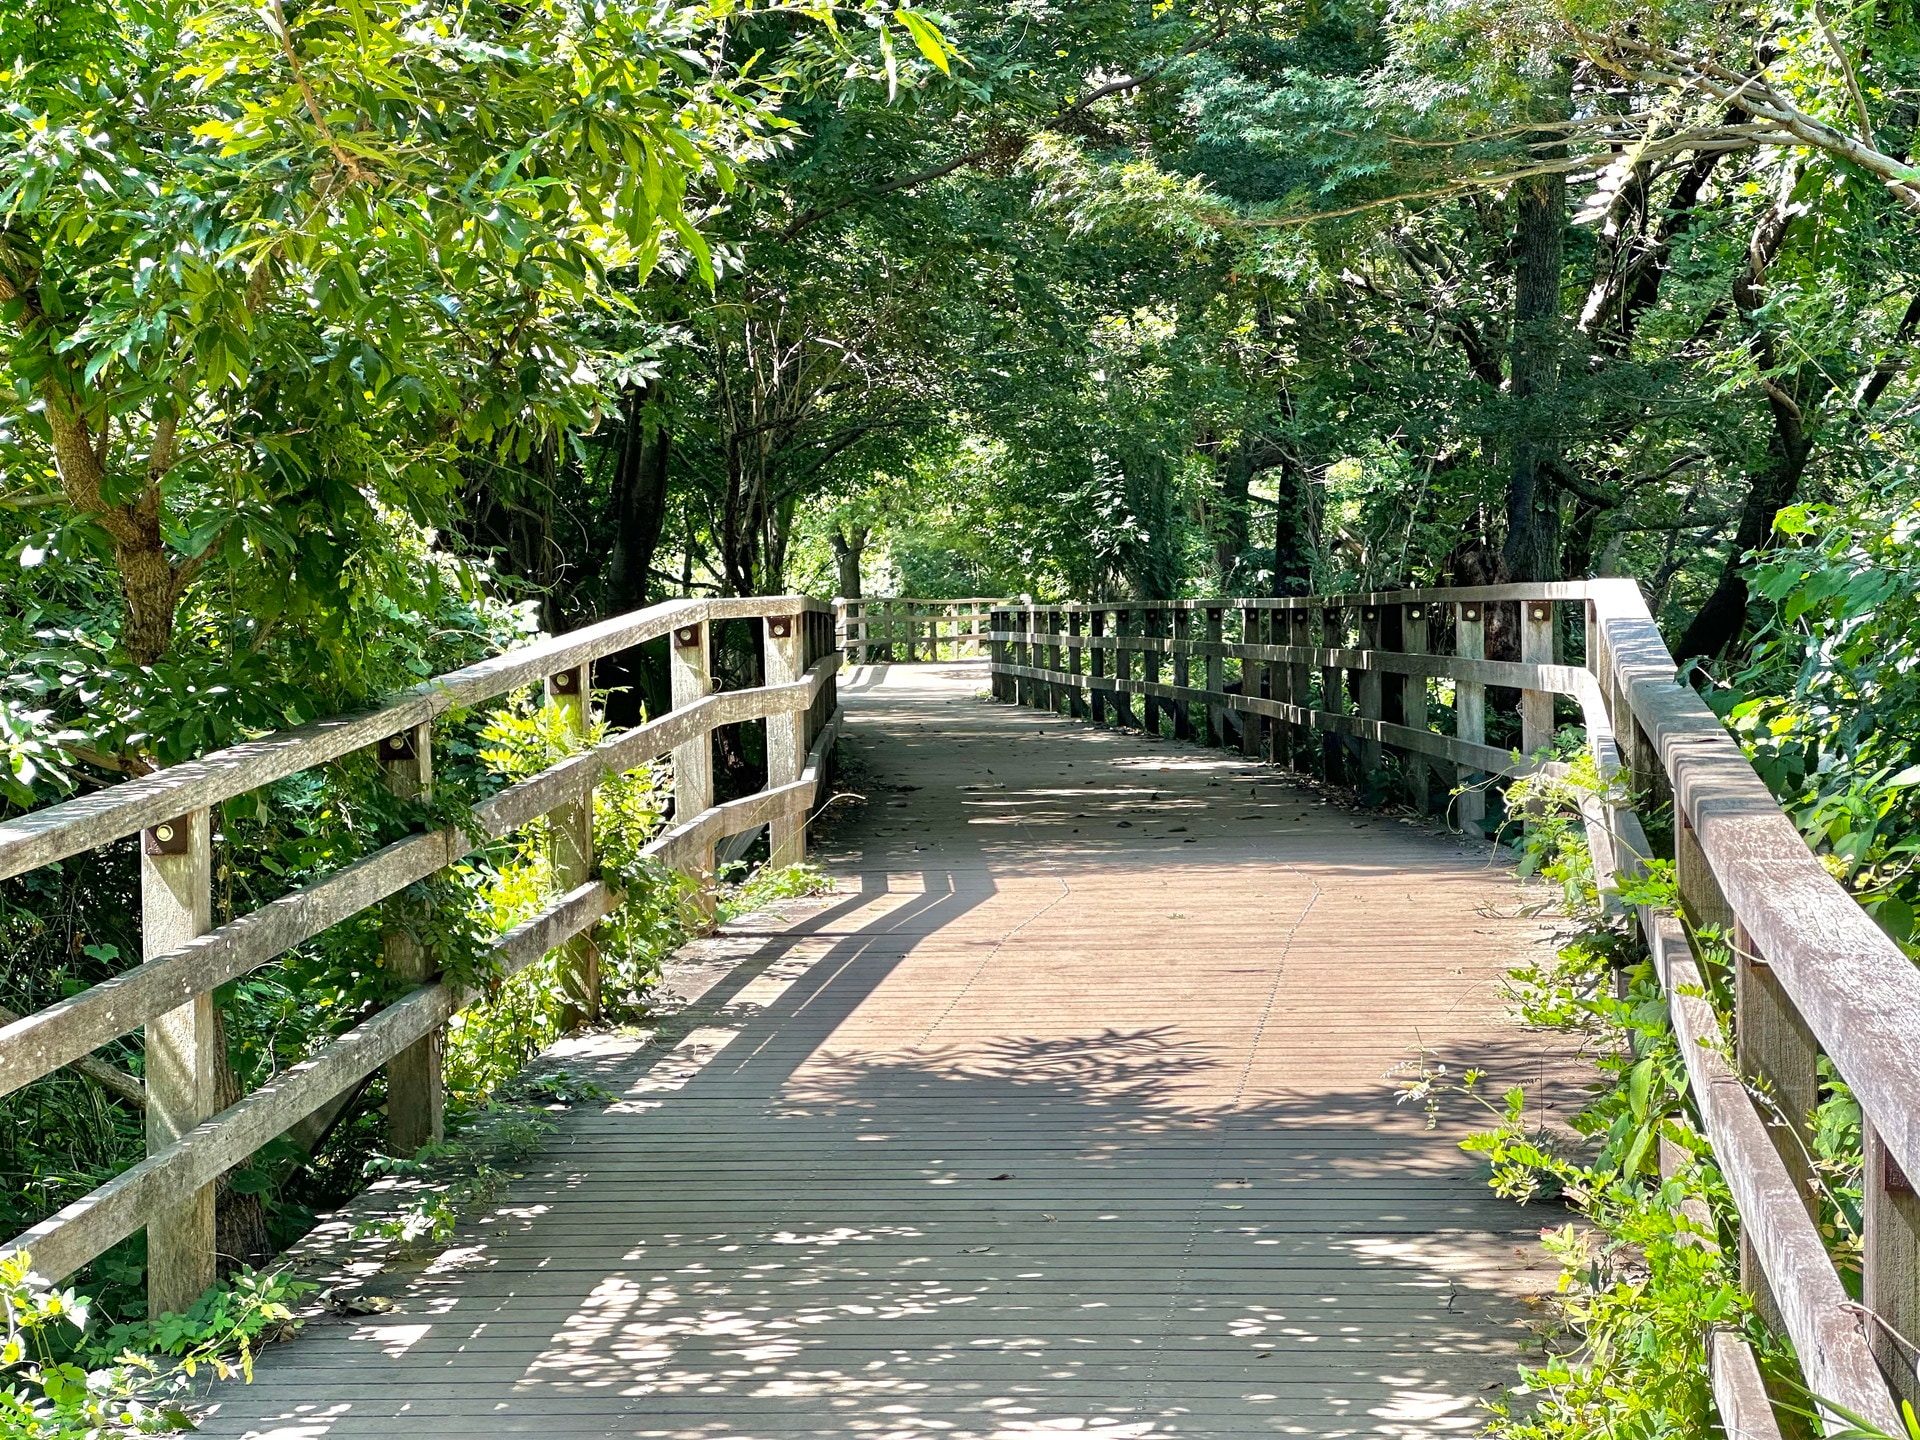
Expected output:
(1069, 1112)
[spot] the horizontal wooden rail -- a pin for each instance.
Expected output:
(169, 990)
(893, 628)
(71, 1237)
(121, 810)
(1331, 683)
(38, 1044)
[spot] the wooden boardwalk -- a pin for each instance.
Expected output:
(1070, 1112)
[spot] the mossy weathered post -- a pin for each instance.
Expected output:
(176, 904)
(416, 1089)
(570, 842)
(784, 647)
(1470, 710)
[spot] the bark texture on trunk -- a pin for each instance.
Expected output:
(1717, 626)
(849, 545)
(1532, 549)
(1230, 531)
(1292, 532)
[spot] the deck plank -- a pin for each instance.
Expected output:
(1046, 1123)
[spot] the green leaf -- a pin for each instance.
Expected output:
(927, 36)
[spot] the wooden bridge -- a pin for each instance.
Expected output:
(1072, 1108)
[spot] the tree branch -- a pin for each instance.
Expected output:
(807, 219)
(1754, 95)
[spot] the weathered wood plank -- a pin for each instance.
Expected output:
(1851, 985)
(93, 820)
(192, 1161)
(1816, 1312)
(176, 904)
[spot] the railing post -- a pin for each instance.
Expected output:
(176, 904)
(1413, 700)
(1003, 684)
(1300, 636)
(1216, 676)
(1076, 663)
(1183, 711)
(1022, 655)
(1042, 659)
(690, 668)
(1122, 666)
(1251, 674)
(785, 654)
(1274, 631)
(1890, 1281)
(570, 836)
(820, 642)
(1370, 696)
(1333, 692)
(1056, 627)
(1470, 709)
(1536, 648)
(1099, 701)
(1151, 706)
(1036, 659)
(416, 1087)
(1774, 1051)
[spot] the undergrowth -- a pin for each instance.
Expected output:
(1647, 1253)
(63, 1377)
(74, 1367)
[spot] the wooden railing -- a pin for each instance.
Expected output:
(1334, 683)
(873, 631)
(171, 1192)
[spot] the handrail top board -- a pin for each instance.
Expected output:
(42, 837)
(920, 600)
(1569, 590)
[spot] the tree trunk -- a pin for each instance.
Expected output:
(849, 544)
(1230, 531)
(639, 506)
(1292, 538)
(1150, 564)
(1720, 621)
(1532, 550)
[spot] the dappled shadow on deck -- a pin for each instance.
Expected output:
(766, 1237)
(951, 1160)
